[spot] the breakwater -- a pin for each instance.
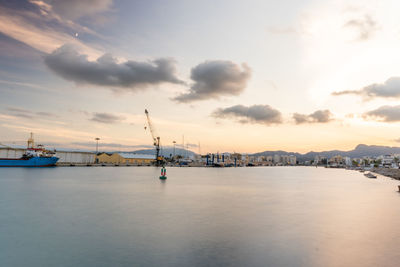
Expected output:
(392, 173)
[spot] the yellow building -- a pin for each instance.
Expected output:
(124, 158)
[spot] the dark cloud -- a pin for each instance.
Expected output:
(19, 112)
(319, 116)
(300, 118)
(213, 79)
(262, 114)
(46, 114)
(15, 109)
(111, 145)
(390, 88)
(106, 118)
(27, 114)
(384, 113)
(364, 26)
(106, 71)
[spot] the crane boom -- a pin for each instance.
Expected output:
(156, 139)
(151, 127)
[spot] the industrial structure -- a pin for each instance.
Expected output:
(125, 159)
(156, 139)
(11, 151)
(69, 157)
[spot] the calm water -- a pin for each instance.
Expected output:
(126, 216)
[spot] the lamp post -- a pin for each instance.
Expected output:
(97, 144)
(174, 142)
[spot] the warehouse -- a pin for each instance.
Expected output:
(75, 157)
(124, 158)
(8, 152)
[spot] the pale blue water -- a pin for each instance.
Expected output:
(126, 216)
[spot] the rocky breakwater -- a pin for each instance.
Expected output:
(393, 173)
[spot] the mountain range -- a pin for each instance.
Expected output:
(358, 152)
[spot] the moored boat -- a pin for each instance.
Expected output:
(33, 157)
(370, 175)
(29, 162)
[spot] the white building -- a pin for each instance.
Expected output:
(347, 161)
(387, 160)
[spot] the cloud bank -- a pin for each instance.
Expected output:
(28, 114)
(262, 114)
(213, 79)
(384, 113)
(389, 89)
(106, 118)
(106, 71)
(319, 116)
(37, 25)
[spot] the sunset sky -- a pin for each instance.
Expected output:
(243, 76)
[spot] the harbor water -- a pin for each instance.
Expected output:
(127, 216)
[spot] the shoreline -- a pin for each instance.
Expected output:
(391, 173)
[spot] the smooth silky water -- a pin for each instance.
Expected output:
(126, 216)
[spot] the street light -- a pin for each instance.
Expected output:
(174, 147)
(97, 144)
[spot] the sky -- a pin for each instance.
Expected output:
(232, 76)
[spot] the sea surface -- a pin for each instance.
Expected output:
(126, 216)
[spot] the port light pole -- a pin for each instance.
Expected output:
(97, 144)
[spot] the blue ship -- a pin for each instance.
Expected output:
(35, 161)
(33, 157)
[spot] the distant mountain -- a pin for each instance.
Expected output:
(166, 152)
(358, 152)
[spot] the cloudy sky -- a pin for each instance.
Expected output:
(228, 74)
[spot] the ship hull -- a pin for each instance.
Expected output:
(31, 162)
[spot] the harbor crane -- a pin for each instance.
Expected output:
(156, 139)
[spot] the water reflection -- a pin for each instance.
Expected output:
(197, 217)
